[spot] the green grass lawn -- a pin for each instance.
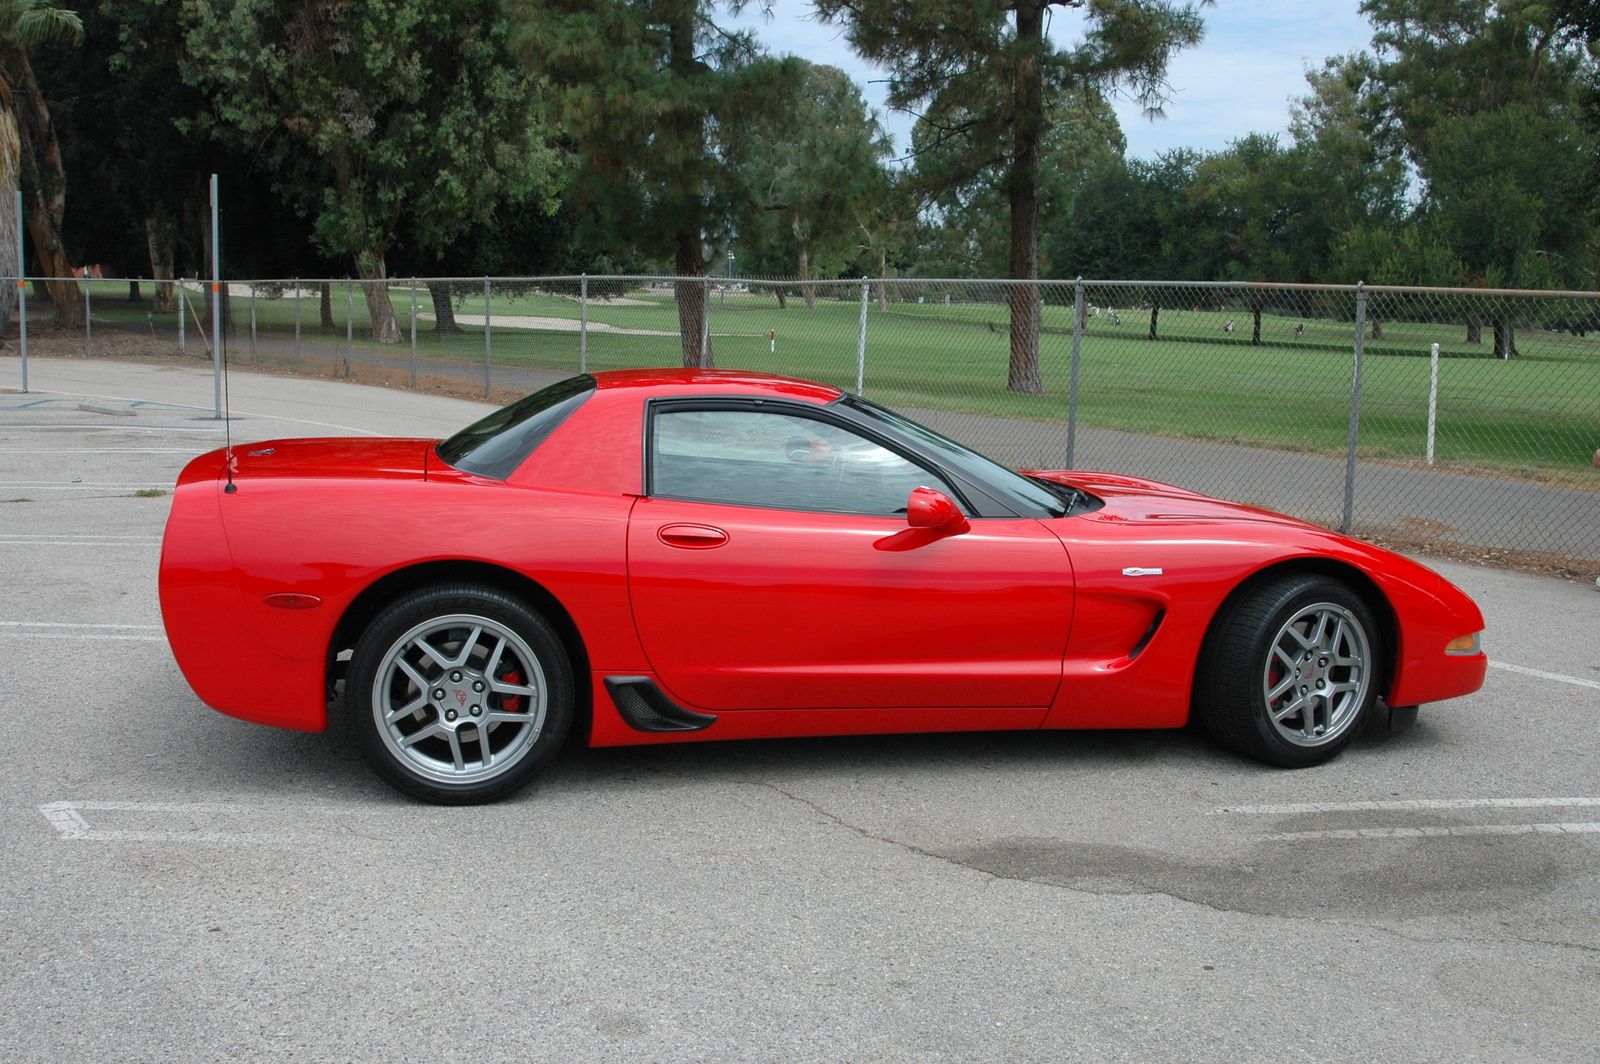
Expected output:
(1537, 415)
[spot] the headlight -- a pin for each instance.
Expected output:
(1464, 646)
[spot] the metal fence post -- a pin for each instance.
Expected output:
(1072, 377)
(297, 320)
(349, 324)
(252, 323)
(704, 319)
(216, 300)
(22, 297)
(1355, 410)
(413, 332)
(488, 341)
(183, 319)
(88, 319)
(583, 324)
(1433, 398)
(861, 341)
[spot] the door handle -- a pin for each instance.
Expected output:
(692, 537)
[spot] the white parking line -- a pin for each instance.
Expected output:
(52, 541)
(74, 624)
(1523, 670)
(95, 450)
(1292, 808)
(69, 630)
(1435, 831)
(70, 823)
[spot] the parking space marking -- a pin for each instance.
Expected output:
(1292, 808)
(71, 630)
(94, 450)
(78, 541)
(1523, 670)
(234, 415)
(1437, 831)
(71, 825)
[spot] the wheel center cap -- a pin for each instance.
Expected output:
(461, 701)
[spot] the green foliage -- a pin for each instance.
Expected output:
(373, 111)
(812, 166)
(650, 92)
(968, 231)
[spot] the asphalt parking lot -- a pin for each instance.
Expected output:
(182, 886)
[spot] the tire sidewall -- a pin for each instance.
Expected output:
(1291, 599)
(417, 607)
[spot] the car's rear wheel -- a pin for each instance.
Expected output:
(1290, 670)
(459, 694)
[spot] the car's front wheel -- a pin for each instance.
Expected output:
(1290, 670)
(459, 694)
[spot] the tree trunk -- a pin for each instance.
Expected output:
(1474, 328)
(883, 272)
(691, 296)
(159, 239)
(1377, 326)
(1255, 324)
(44, 183)
(1022, 374)
(133, 292)
(1505, 337)
(444, 307)
(808, 291)
(1155, 313)
(371, 268)
(782, 293)
(325, 306)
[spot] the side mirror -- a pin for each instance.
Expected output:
(927, 508)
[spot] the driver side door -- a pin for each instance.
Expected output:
(770, 567)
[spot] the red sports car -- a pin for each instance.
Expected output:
(669, 556)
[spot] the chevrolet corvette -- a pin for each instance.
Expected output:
(657, 556)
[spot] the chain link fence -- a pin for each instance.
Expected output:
(1436, 418)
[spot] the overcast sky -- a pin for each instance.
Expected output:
(1238, 81)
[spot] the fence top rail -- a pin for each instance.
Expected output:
(837, 282)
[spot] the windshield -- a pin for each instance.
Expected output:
(1035, 494)
(498, 444)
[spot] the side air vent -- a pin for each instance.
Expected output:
(1149, 634)
(646, 707)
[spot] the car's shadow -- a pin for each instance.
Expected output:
(328, 767)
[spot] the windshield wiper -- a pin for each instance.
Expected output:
(1071, 496)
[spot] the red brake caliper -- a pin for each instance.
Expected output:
(511, 703)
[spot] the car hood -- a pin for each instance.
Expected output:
(1148, 501)
(336, 457)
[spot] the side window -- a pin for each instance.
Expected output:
(778, 461)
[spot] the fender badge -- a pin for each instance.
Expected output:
(1134, 570)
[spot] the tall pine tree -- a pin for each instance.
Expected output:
(984, 73)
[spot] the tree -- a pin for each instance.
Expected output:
(372, 115)
(811, 165)
(24, 26)
(650, 90)
(969, 231)
(1487, 98)
(984, 73)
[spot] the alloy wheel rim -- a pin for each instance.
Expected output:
(1317, 673)
(459, 698)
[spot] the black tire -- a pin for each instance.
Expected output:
(509, 709)
(1246, 656)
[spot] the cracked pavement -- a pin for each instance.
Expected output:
(182, 886)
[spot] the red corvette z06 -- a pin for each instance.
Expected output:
(671, 556)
